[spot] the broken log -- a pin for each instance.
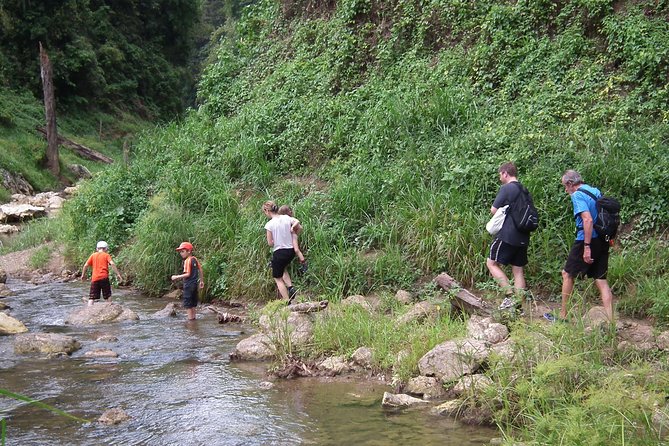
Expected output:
(461, 298)
(224, 317)
(308, 307)
(80, 149)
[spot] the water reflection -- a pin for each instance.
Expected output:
(175, 381)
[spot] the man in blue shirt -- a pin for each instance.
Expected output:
(589, 255)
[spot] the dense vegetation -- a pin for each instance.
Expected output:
(383, 124)
(130, 55)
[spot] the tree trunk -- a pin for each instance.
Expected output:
(50, 111)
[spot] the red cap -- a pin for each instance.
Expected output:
(185, 245)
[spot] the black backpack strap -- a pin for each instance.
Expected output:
(591, 195)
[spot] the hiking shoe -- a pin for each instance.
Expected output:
(292, 292)
(303, 268)
(508, 303)
(550, 317)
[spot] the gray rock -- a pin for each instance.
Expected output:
(5, 291)
(101, 353)
(100, 313)
(471, 384)
(334, 365)
(663, 340)
(113, 416)
(661, 422)
(404, 297)
(449, 408)
(425, 386)
(452, 359)
(9, 325)
(3, 276)
(170, 310)
(79, 171)
(485, 329)
(369, 303)
(296, 327)
(7, 229)
(20, 212)
(15, 183)
(265, 385)
(3, 306)
(392, 400)
(174, 294)
(48, 343)
(419, 312)
(363, 357)
(596, 317)
(107, 338)
(505, 350)
(258, 347)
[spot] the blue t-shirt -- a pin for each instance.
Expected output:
(583, 202)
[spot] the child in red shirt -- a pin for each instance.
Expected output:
(100, 261)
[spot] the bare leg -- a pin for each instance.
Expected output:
(567, 288)
(191, 314)
(607, 297)
(498, 274)
(90, 302)
(518, 278)
(286, 279)
(281, 286)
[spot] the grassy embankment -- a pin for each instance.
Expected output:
(383, 124)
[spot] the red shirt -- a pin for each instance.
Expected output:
(100, 261)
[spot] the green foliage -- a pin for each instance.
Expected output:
(129, 56)
(35, 233)
(40, 258)
(383, 125)
(345, 328)
(563, 385)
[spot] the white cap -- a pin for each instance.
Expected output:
(102, 244)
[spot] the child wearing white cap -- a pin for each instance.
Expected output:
(100, 261)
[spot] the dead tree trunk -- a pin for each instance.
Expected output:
(50, 111)
(461, 298)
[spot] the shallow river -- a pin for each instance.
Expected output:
(175, 380)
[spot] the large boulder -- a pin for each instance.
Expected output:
(426, 386)
(391, 400)
(258, 347)
(450, 360)
(100, 313)
(15, 183)
(369, 303)
(334, 365)
(49, 343)
(298, 327)
(363, 357)
(485, 329)
(470, 384)
(663, 340)
(20, 212)
(79, 171)
(419, 312)
(170, 310)
(9, 325)
(404, 297)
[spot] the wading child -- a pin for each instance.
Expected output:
(100, 261)
(192, 276)
(286, 210)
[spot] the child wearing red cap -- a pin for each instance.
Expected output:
(192, 276)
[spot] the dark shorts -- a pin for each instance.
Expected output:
(100, 286)
(190, 296)
(576, 267)
(281, 258)
(505, 254)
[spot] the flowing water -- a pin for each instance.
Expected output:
(175, 380)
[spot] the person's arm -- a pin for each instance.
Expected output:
(115, 269)
(493, 210)
(83, 271)
(186, 272)
(296, 226)
(270, 239)
(587, 236)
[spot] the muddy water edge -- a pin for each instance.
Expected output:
(175, 381)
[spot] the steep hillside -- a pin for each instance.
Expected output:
(383, 123)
